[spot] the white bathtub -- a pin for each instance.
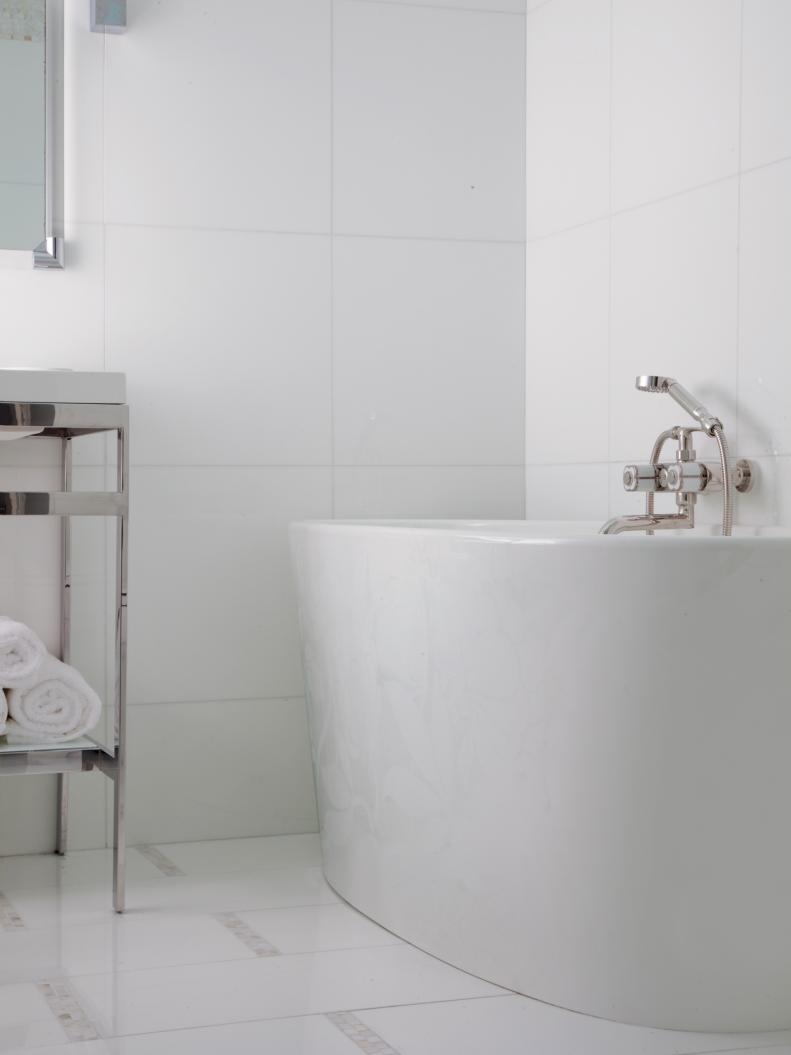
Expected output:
(561, 761)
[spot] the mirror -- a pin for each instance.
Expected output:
(31, 51)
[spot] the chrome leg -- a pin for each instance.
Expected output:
(62, 830)
(61, 835)
(119, 776)
(119, 838)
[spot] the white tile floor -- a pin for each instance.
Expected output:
(240, 948)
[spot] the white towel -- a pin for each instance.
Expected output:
(56, 705)
(21, 653)
(3, 711)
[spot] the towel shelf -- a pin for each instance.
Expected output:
(67, 421)
(63, 503)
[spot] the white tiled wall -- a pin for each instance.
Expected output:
(298, 227)
(659, 240)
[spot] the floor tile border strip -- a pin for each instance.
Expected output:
(10, 919)
(358, 1033)
(159, 860)
(246, 935)
(64, 1005)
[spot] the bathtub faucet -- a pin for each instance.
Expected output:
(685, 477)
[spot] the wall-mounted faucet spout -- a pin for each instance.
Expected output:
(687, 478)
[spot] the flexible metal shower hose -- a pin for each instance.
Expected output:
(727, 483)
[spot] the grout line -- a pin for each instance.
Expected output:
(736, 174)
(10, 919)
(315, 465)
(190, 703)
(286, 233)
(609, 249)
(105, 284)
(159, 860)
(332, 259)
(737, 409)
(318, 1014)
(525, 298)
(452, 9)
(65, 1006)
(765, 165)
(360, 1034)
(250, 938)
(640, 205)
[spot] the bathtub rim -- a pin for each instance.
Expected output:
(548, 532)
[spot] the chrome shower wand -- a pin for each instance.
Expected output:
(685, 399)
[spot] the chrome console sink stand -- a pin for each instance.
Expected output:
(68, 421)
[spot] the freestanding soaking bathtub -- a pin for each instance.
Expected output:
(561, 761)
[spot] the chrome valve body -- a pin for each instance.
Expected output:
(685, 477)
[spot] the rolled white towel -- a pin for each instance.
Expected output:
(3, 711)
(56, 705)
(21, 653)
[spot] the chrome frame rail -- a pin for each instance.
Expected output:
(69, 420)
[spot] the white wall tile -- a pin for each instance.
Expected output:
(219, 116)
(675, 101)
(56, 318)
(504, 6)
(568, 314)
(215, 770)
(83, 112)
(766, 82)
(211, 607)
(674, 288)
(428, 375)
(568, 93)
(221, 120)
(229, 363)
(567, 492)
(769, 502)
(28, 814)
(765, 311)
(468, 492)
(428, 122)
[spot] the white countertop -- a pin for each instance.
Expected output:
(61, 386)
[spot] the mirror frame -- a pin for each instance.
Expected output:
(49, 252)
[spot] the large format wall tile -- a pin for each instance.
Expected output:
(568, 316)
(219, 769)
(675, 96)
(219, 115)
(430, 374)
(674, 290)
(766, 82)
(211, 607)
(229, 363)
(568, 115)
(428, 122)
(765, 315)
(56, 318)
(191, 137)
(505, 6)
(83, 117)
(466, 492)
(566, 492)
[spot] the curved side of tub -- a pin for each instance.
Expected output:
(562, 764)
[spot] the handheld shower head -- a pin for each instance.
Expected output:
(653, 383)
(685, 399)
